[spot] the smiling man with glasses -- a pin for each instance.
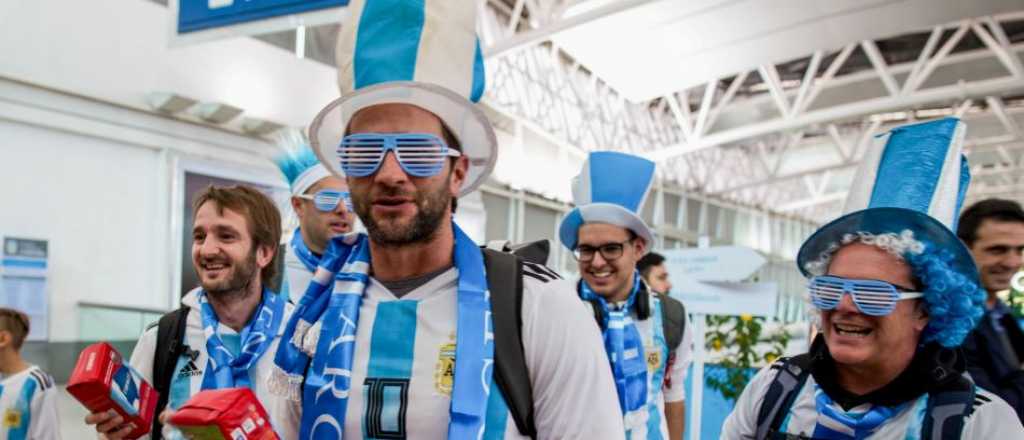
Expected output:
(608, 238)
(896, 293)
(321, 202)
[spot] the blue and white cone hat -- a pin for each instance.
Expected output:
(913, 178)
(298, 163)
(419, 52)
(610, 189)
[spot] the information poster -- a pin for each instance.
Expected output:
(23, 275)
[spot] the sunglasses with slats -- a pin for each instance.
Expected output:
(872, 297)
(419, 154)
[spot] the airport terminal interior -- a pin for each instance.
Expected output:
(114, 114)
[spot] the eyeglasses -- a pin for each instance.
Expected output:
(419, 154)
(609, 251)
(327, 200)
(872, 297)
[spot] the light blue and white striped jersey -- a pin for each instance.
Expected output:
(188, 375)
(405, 354)
(28, 401)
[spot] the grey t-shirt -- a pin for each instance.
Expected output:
(401, 287)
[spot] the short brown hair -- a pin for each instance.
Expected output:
(16, 323)
(261, 215)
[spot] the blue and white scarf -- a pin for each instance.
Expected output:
(302, 252)
(625, 349)
(333, 300)
(834, 424)
(230, 370)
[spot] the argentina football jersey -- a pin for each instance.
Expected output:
(28, 401)
(403, 366)
(193, 367)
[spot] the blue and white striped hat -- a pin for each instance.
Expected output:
(913, 178)
(610, 189)
(424, 53)
(297, 162)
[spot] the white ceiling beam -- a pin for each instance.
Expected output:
(884, 104)
(770, 76)
(996, 105)
(1009, 60)
(734, 86)
(813, 201)
(547, 31)
(830, 72)
(705, 107)
(972, 145)
(915, 82)
(923, 57)
(809, 75)
(878, 61)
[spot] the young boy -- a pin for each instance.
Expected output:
(28, 396)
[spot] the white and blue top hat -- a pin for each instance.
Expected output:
(418, 52)
(914, 178)
(298, 163)
(610, 189)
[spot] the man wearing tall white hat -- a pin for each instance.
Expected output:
(897, 293)
(321, 202)
(645, 336)
(404, 331)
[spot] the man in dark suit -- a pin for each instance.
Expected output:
(993, 230)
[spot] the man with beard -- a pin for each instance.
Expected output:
(400, 341)
(993, 230)
(322, 203)
(608, 238)
(897, 293)
(233, 323)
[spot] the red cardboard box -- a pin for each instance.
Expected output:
(226, 414)
(102, 380)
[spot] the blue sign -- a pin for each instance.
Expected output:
(196, 15)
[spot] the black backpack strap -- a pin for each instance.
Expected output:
(170, 344)
(673, 320)
(782, 392)
(947, 408)
(505, 282)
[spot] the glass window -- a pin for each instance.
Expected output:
(727, 231)
(497, 208)
(672, 202)
(647, 210)
(693, 215)
(540, 224)
(712, 221)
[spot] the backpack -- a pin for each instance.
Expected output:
(170, 345)
(944, 415)
(504, 264)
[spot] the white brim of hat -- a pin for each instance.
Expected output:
(888, 220)
(465, 120)
(608, 213)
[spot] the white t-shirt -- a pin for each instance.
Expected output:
(574, 395)
(28, 401)
(297, 277)
(992, 418)
(660, 389)
(188, 374)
